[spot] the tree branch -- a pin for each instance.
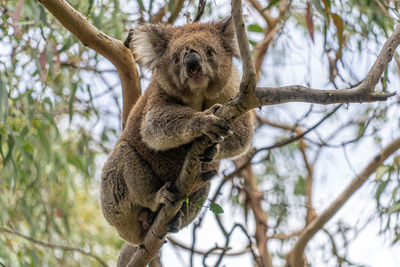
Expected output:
(54, 246)
(202, 252)
(200, 10)
(112, 49)
(296, 255)
(255, 198)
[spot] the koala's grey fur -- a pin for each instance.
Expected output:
(177, 107)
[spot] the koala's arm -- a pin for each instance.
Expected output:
(169, 124)
(240, 139)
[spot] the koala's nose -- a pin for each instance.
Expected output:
(192, 62)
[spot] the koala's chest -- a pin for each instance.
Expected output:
(197, 103)
(200, 103)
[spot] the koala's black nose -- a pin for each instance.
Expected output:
(192, 62)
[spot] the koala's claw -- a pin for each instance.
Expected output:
(166, 196)
(175, 224)
(210, 153)
(213, 109)
(217, 129)
(205, 176)
(146, 218)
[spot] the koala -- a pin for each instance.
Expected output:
(193, 74)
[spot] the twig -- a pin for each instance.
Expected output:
(255, 198)
(177, 9)
(298, 136)
(200, 10)
(226, 247)
(54, 246)
(202, 252)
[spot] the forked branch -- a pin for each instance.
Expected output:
(112, 49)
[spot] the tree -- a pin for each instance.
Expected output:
(41, 155)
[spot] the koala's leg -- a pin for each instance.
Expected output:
(240, 139)
(144, 187)
(208, 170)
(128, 186)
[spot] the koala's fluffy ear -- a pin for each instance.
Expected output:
(149, 43)
(227, 31)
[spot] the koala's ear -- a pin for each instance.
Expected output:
(149, 43)
(227, 30)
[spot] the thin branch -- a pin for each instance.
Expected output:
(249, 73)
(112, 49)
(283, 237)
(296, 255)
(272, 29)
(266, 14)
(255, 199)
(383, 9)
(54, 246)
(177, 9)
(298, 136)
(202, 252)
(200, 10)
(226, 247)
(260, 50)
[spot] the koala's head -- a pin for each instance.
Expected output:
(190, 60)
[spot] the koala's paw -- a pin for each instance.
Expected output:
(205, 176)
(175, 224)
(210, 153)
(213, 126)
(167, 196)
(146, 218)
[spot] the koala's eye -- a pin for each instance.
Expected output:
(210, 52)
(176, 58)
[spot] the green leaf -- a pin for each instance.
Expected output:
(382, 170)
(255, 28)
(319, 8)
(43, 16)
(187, 206)
(199, 204)
(271, 4)
(10, 143)
(44, 139)
(300, 187)
(215, 208)
(71, 101)
(49, 50)
(140, 2)
(89, 8)
(379, 190)
(3, 101)
(394, 208)
(397, 238)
